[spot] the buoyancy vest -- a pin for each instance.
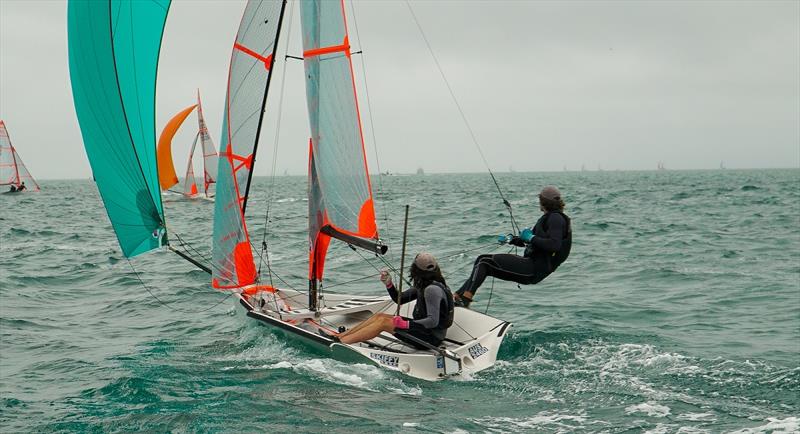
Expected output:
(446, 310)
(541, 229)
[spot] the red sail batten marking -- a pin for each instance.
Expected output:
(267, 60)
(345, 48)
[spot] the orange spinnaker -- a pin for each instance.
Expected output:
(166, 169)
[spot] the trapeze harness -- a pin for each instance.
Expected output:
(432, 316)
(548, 249)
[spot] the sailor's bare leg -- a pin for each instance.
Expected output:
(365, 323)
(369, 329)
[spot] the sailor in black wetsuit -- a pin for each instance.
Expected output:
(433, 312)
(546, 247)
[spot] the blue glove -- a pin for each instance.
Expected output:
(526, 235)
(502, 239)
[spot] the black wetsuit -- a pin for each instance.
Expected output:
(549, 247)
(432, 315)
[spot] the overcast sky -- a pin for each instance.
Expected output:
(544, 85)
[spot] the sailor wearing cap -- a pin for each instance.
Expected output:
(433, 312)
(547, 245)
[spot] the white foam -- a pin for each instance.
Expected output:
(774, 426)
(543, 419)
(359, 375)
(649, 408)
(697, 417)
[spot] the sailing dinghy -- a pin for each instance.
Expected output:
(340, 202)
(166, 168)
(12, 170)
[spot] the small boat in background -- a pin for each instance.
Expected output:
(12, 170)
(166, 168)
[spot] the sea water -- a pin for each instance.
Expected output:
(677, 311)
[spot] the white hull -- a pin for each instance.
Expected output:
(471, 344)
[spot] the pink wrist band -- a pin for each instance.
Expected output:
(400, 323)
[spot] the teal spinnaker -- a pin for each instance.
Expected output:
(113, 58)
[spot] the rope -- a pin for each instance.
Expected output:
(186, 244)
(489, 302)
(264, 245)
(514, 225)
(169, 305)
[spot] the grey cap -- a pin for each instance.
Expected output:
(425, 261)
(550, 192)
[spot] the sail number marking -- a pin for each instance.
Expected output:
(477, 350)
(385, 359)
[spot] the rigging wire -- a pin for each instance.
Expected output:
(514, 225)
(264, 245)
(169, 305)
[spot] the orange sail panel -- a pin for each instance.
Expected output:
(166, 168)
(340, 194)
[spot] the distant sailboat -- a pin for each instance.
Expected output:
(420, 171)
(166, 168)
(12, 170)
(661, 166)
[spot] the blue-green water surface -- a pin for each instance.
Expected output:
(677, 311)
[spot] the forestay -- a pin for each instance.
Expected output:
(252, 60)
(113, 56)
(340, 195)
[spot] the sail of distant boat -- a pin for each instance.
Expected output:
(113, 56)
(210, 157)
(166, 168)
(189, 182)
(12, 170)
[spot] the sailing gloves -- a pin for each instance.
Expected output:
(400, 323)
(386, 278)
(525, 237)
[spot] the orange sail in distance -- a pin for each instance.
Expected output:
(166, 168)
